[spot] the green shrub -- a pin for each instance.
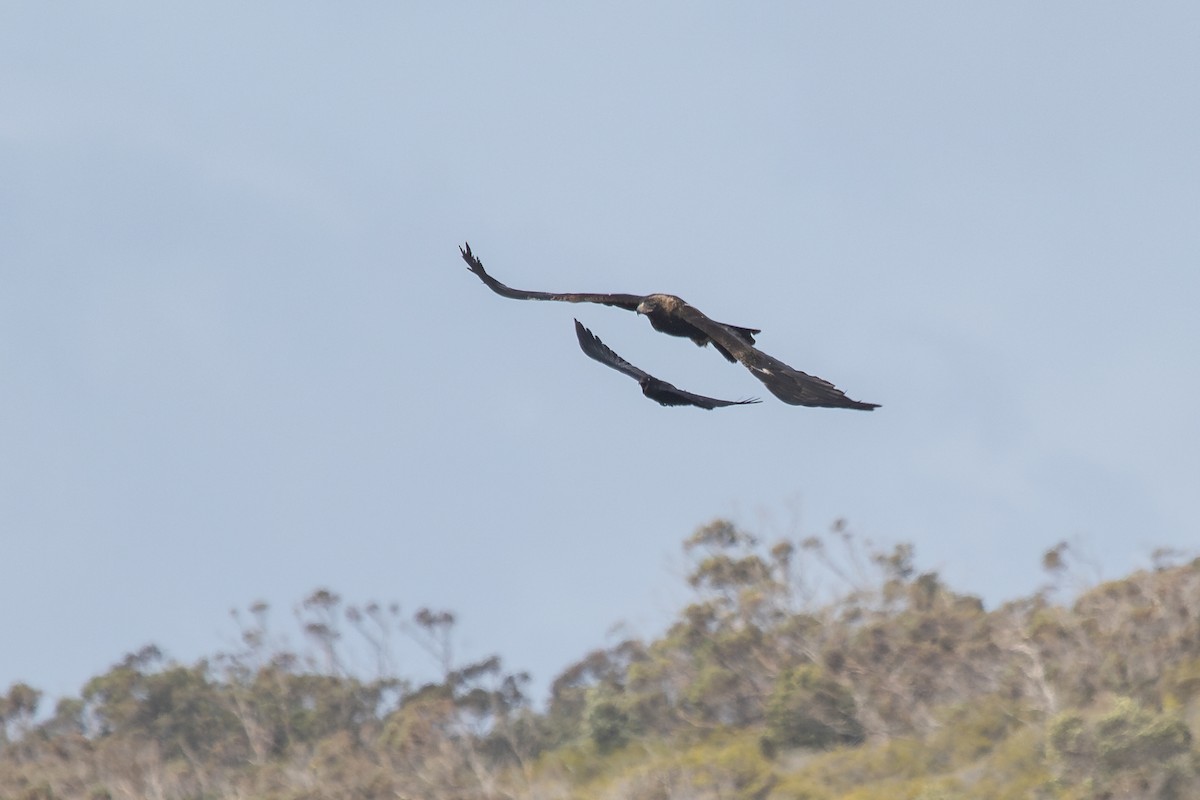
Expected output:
(810, 709)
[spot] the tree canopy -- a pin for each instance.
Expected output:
(819, 668)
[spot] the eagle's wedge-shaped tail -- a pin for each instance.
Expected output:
(787, 383)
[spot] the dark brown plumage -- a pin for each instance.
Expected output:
(657, 390)
(661, 320)
(672, 315)
(788, 384)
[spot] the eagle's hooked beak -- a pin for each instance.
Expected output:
(643, 308)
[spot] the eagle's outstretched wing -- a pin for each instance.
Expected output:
(626, 301)
(657, 390)
(657, 308)
(789, 385)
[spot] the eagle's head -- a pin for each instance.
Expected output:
(658, 303)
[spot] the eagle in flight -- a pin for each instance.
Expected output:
(672, 315)
(659, 391)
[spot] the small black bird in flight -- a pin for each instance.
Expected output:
(672, 315)
(659, 391)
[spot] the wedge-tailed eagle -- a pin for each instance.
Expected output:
(672, 315)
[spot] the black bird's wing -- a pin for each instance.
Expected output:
(628, 302)
(590, 343)
(657, 390)
(788, 384)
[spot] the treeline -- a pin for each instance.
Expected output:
(824, 668)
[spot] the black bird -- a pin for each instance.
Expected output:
(659, 391)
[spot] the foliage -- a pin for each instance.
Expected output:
(809, 709)
(820, 668)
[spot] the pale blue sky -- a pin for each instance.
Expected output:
(240, 357)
